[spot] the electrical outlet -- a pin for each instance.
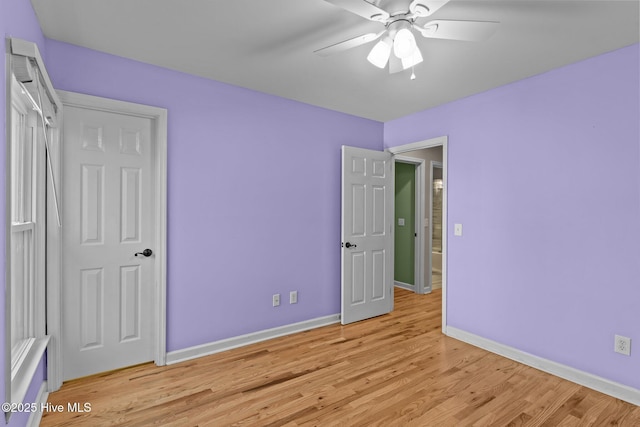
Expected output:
(293, 297)
(276, 300)
(622, 345)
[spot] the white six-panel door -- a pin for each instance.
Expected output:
(367, 243)
(107, 219)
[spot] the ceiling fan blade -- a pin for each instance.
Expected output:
(362, 8)
(458, 30)
(422, 8)
(348, 44)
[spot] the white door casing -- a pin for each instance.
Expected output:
(433, 164)
(367, 241)
(112, 301)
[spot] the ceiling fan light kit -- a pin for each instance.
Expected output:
(379, 55)
(412, 61)
(398, 35)
(404, 43)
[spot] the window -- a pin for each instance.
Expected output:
(32, 259)
(26, 250)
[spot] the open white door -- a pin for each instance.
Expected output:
(367, 242)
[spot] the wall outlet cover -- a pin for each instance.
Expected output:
(622, 345)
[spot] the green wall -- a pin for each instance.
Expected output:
(405, 204)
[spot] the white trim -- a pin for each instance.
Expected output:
(41, 401)
(7, 204)
(159, 118)
(603, 385)
(403, 285)
(432, 164)
(21, 379)
(420, 286)
(54, 265)
(17, 227)
(30, 50)
(19, 374)
(252, 338)
(428, 143)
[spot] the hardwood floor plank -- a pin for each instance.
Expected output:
(393, 370)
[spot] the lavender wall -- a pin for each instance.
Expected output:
(548, 262)
(253, 194)
(545, 176)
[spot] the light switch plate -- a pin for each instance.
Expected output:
(401, 222)
(457, 229)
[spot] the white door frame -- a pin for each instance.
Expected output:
(418, 285)
(432, 164)
(158, 116)
(428, 143)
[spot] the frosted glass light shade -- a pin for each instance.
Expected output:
(379, 55)
(412, 60)
(404, 43)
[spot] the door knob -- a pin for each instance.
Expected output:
(146, 252)
(349, 245)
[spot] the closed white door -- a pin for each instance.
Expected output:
(107, 218)
(367, 244)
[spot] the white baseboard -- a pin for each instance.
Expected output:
(603, 385)
(242, 340)
(41, 400)
(404, 286)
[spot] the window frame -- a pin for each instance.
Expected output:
(26, 212)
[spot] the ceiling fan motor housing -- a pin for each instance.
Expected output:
(401, 23)
(397, 7)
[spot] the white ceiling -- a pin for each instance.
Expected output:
(268, 45)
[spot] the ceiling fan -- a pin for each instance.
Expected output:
(401, 18)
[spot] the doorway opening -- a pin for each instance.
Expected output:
(418, 222)
(409, 238)
(430, 237)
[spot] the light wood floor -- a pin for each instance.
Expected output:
(394, 370)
